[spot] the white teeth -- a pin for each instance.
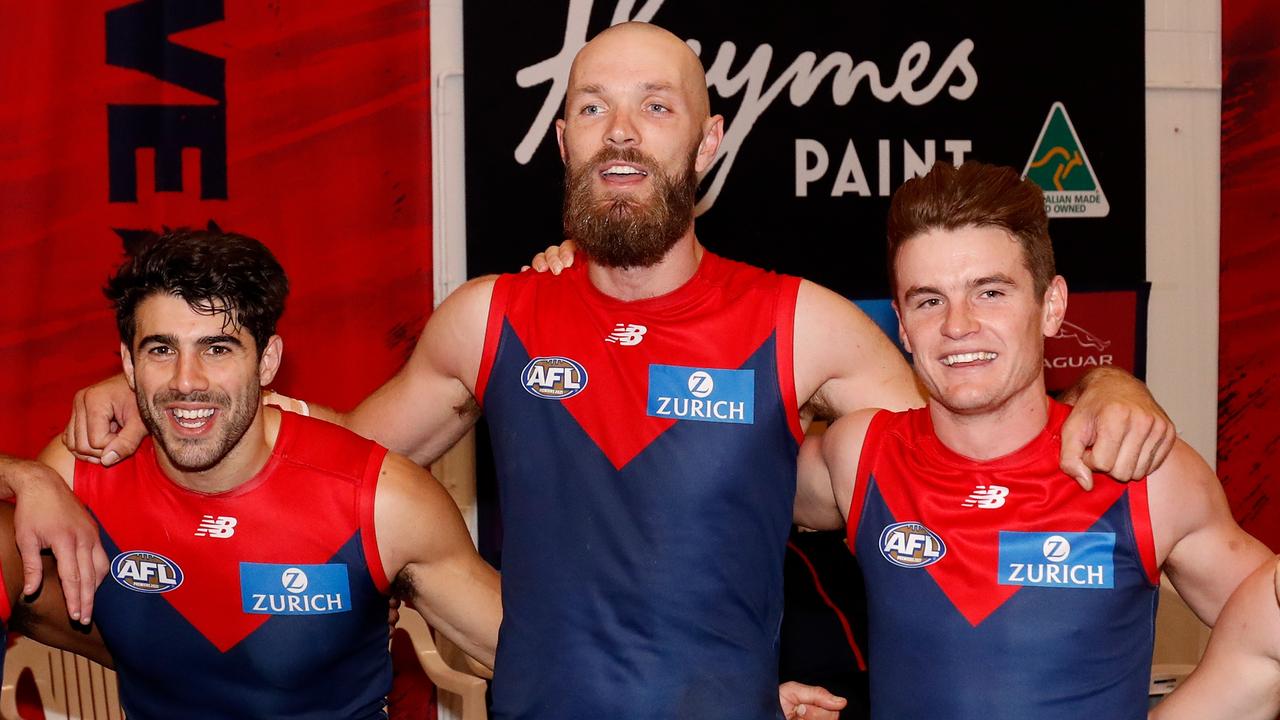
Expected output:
(967, 357)
(192, 414)
(623, 170)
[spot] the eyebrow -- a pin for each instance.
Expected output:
(206, 341)
(594, 89)
(996, 279)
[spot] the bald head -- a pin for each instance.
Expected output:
(647, 52)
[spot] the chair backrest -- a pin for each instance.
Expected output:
(463, 693)
(70, 686)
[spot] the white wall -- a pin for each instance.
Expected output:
(1184, 98)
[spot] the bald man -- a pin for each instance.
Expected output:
(645, 407)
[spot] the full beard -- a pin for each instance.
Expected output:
(618, 232)
(200, 454)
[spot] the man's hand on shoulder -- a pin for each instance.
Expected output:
(105, 426)
(555, 259)
(48, 515)
(1116, 428)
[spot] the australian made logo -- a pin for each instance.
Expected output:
(1058, 560)
(553, 378)
(1059, 165)
(272, 589)
(705, 394)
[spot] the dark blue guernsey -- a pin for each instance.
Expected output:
(1000, 590)
(646, 457)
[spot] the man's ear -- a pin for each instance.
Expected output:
(564, 157)
(1055, 306)
(126, 360)
(709, 144)
(269, 363)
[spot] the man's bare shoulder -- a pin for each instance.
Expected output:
(58, 457)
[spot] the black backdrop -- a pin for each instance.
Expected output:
(1008, 63)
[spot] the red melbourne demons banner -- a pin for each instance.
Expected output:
(1249, 341)
(305, 125)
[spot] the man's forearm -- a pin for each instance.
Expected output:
(1073, 393)
(15, 472)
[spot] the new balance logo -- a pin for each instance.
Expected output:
(987, 497)
(219, 527)
(625, 334)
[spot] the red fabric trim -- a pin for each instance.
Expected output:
(822, 593)
(366, 494)
(6, 609)
(492, 333)
(785, 325)
(1140, 516)
(870, 449)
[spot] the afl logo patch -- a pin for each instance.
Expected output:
(553, 378)
(146, 572)
(911, 545)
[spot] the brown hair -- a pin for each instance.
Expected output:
(974, 194)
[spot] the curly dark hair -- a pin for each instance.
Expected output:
(214, 271)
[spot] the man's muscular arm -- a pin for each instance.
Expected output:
(1198, 543)
(1239, 676)
(828, 471)
(423, 410)
(428, 555)
(843, 362)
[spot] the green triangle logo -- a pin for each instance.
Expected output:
(1060, 166)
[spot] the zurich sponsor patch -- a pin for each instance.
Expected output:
(704, 394)
(911, 545)
(146, 572)
(1058, 560)
(553, 378)
(273, 589)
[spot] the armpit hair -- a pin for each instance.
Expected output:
(402, 586)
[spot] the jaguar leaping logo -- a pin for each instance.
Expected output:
(1080, 335)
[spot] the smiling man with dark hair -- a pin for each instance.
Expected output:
(259, 545)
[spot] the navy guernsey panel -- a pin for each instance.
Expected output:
(266, 601)
(646, 457)
(1000, 590)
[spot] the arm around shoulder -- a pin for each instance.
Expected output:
(828, 472)
(843, 362)
(427, 554)
(423, 410)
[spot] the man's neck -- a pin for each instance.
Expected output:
(238, 466)
(996, 432)
(673, 270)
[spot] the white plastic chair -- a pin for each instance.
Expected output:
(70, 686)
(465, 692)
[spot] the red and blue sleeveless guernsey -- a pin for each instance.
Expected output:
(267, 601)
(646, 464)
(1000, 590)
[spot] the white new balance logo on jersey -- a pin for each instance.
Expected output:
(219, 527)
(625, 334)
(987, 497)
